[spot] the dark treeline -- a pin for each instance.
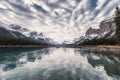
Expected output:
(117, 21)
(100, 41)
(14, 41)
(115, 40)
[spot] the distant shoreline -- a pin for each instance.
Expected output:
(105, 48)
(22, 46)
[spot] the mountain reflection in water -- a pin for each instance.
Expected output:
(58, 64)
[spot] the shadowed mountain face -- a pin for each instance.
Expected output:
(5, 34)
(9, 33)
(18, 28)
(8, 37)
(15, 27)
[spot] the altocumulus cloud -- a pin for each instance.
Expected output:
(58, 19)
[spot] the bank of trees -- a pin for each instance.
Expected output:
(20, 42)
(107, 41)
(100, 41)
(117, 21)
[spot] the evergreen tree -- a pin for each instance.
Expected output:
(117, 21)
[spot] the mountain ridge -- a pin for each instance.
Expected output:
(20, 35)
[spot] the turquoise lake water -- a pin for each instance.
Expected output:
(57, 64)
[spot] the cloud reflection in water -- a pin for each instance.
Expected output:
(57, 64)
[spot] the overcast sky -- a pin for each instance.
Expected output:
(58, 19)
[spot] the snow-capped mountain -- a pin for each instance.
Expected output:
(5, 33)
(66, 42)
(9, 36)
(67, 17)
(17, 32)
(106, 30)
(79, 40)
(18, 28)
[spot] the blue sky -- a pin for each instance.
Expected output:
(58, 19)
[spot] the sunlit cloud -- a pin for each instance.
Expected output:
(67, 18)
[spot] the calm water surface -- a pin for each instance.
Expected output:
(58, 64)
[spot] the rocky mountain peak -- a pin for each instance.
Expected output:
(92, 31)
(15, 27)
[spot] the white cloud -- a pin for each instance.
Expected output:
(68, 19)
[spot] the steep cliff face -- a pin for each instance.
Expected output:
(107, 27)
(92, 32)
(106, 30)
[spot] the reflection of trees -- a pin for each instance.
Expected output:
(10, 57)
(36, 55)
(110, 62)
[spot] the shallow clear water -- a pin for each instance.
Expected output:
(58, 64)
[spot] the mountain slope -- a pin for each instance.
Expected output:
(38, 37)
(13, 36)
(5, 33)
(104, 35)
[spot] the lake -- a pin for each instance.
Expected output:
(57, 64)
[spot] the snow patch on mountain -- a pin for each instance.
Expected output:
(19, 32)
